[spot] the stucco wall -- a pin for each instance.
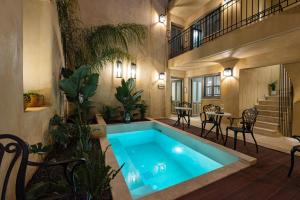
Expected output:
(254, 84)
(150, 58)
(293, 70)
(30, 126)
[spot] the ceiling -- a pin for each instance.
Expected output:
(185, 8)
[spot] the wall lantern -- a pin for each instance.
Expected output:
(119, 69)
(162, 18)
(162, 76)
(228, 72)
(132, 71)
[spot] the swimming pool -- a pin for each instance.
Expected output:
(157, 157)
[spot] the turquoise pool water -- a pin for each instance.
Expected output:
(155, 161)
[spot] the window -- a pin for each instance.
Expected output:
(212, 86)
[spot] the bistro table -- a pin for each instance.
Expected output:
(182, 112)
(217, 124)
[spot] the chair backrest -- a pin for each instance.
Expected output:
(13, 148)
(211, 108)
(249, 118)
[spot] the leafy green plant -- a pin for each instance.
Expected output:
(95, 176)
(47, 189)
(79, 88)
(61, 133)
(110, 113)
(273, 86)
(143, 109)
(39, 148)
(97, 45)
(128, 96)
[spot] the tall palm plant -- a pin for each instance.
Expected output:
(98, 45)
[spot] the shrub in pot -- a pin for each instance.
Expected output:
(272, 87)
(129, 97)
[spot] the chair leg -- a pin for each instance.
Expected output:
(292, 161)
(202, 128)
(255, 142)
(226, 137)
(244, 139)
(235, 140)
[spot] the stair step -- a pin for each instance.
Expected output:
(269, 103)
(267, 119)
(268, 107)
(272, 98)
(268, 113)
(267, 125)
(265, 131)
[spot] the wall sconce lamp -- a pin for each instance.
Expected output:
(162, 18)
(119, 69)
(228, 72)
(132, 71)
(162, 76)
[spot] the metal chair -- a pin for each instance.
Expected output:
(17, 149)
(248, 120)
(208, 119)
(293, 151)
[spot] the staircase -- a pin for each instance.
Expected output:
(267, 122)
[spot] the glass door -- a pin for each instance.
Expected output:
(176, 94)
(196, 95)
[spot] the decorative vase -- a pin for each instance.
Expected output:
(127, 117)
(273, 92)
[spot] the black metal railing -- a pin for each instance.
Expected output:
(228, 17)
(285, 103)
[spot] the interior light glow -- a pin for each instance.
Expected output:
(132, 71)
(119, 69)
(162, 76)
(162, 18)
(228, 72)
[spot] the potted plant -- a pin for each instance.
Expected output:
(142, 108)
(36, 99)
(129, 97)
(26, 100)
(272, 86)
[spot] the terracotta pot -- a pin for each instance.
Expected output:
(33, 100)
(41, 100)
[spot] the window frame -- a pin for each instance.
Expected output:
(213, 95)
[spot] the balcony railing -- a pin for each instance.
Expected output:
(228, 17)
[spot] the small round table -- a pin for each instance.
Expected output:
(181, 116)
(217, 124)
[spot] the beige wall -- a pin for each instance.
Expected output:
(43, 33)
(293, 70)
(150, 58)
(253, 84)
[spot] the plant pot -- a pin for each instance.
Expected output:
(33, 100)
(127, 117)
(40, 100)
(273, 92)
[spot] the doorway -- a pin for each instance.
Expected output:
(176, 93)
(196, 95)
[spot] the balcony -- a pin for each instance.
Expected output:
(231, 16)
